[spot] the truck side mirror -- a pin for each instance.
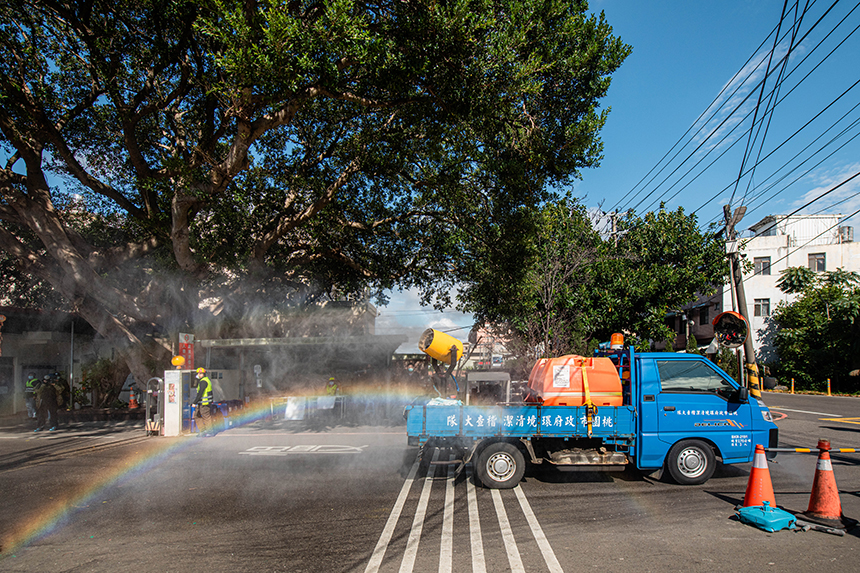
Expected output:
(743, 394)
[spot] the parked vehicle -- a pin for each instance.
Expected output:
(674, 411)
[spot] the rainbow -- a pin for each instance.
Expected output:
(64, 505)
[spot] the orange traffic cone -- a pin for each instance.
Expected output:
(824, 505)
(759, 486)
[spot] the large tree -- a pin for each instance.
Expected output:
(817, 336)
(661, 262)
(168, 160)
(570, 288)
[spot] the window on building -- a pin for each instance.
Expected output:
(762, 265)
(762, 307)
(817, 262)
(703, 315)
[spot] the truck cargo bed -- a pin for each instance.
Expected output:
(612, 424)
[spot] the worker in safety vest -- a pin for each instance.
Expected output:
(331, 387)
(49, 398)
(30, 395)
(204, 401)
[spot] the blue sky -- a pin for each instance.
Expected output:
(684, 54)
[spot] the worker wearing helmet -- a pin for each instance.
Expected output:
(204, 401)
(48, 399)
(331, 387)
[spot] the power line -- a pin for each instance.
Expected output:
(822, 160)
(715, 196)
(809, 122)
(774, 94)
(808, 203)
(707, 137)
(696, 121)
(471, 326)
(813, 238)
(758, 103)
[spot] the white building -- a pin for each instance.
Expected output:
(778, 242)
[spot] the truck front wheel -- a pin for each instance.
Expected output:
(500, 465)
(691, 462)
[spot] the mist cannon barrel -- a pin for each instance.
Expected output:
(438, 345)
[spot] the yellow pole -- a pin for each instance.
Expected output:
(828, 386)
(792, 385)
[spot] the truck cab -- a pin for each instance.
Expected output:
(691, 410)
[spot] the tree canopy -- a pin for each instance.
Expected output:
(166, 161)
(571, 288)
(817, 336)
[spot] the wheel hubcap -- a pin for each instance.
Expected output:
(692, 462)
(501, 466)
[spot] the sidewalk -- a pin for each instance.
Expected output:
(86, 417)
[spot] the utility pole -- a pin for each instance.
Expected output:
(613, 217)
(750, 366)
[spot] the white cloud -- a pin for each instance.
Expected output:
(711, 128)
(405, 315)
(845, 199)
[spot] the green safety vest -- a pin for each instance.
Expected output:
(29, 386)
(207, 393)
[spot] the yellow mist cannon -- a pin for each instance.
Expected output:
(440, 346)
(445, 349)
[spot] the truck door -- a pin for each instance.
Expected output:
(697, 400)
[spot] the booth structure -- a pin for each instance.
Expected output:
(175, 410)
(175, 401)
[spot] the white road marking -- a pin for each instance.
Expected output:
(537, 531)
(411, 552)
(446, 550)
(514, 558)
(478, 563)
(302, 449)
(803, 411)
(446, 546)
(388, 531)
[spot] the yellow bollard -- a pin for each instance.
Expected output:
(828, 386)
(792, 385)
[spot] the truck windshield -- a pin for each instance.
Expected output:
(690, 375)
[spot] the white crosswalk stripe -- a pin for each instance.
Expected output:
(448, 538)
(478, 563)
(411, 552)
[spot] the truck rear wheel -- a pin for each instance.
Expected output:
(691, 462)
(500, 465)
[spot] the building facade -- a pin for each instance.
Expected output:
(40, 343)
(818, 242)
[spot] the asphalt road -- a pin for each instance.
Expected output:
(353, 499)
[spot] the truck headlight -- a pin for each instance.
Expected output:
(766, 415)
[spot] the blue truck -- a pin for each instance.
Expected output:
(680, 412)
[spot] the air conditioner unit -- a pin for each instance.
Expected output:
(846, 234)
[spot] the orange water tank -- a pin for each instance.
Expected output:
(559, 381)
